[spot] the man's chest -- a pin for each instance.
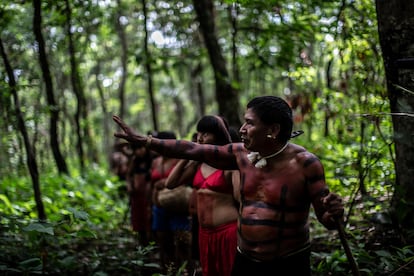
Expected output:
(273, 188)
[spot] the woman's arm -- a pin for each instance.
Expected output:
(183, 173)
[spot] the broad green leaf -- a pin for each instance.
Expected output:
(79, 214)
(39, 227)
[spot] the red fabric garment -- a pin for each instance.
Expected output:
(215, 182)
(140, 211)
(218, 249)
(139, 200)
(157, 175)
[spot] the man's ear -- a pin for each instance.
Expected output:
(275, 130)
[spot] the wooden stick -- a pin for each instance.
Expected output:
(344, 241)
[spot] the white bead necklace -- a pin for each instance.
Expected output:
(260, 162)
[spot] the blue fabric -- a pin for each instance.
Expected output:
(162, 220)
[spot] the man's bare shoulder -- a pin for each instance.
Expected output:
(302, 155)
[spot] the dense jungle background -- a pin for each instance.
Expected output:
(345, 67)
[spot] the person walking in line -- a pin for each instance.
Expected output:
(279, 181)
(215, 205)
(171, 229)
(139, 190)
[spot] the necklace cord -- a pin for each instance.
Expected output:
(276, 153)
(259, 161)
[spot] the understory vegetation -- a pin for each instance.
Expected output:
(67, 66)
(88, 233)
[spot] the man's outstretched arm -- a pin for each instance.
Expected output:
(220, 157)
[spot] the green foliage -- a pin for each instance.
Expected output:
(85, 230)
(333, 262)
(322, 56)
(143, 259)
(37, 227)
(384, 259)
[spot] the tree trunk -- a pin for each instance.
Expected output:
(226, 94)
(5, 113)
(233, 11)
(396, 32)
(327, 98)
(76, 86)
(124, 59)
(47, 78)
(31, 159)
(106, 118)
(82, 114)
(196, 84)
(148, 67)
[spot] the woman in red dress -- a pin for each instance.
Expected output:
(215, 204)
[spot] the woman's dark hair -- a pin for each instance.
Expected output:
(141, 165)
(217, 126)
(166, 135)
(271, 110)
(234, 134)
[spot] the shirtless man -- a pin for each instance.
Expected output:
(278, 183)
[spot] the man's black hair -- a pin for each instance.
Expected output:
(271, 110)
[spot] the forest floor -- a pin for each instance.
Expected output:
(376, 247)
(365, 238)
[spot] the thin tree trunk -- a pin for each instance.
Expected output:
(328, 98)
(124, 59)
(196, 84)
(148, 67)
(360, 157)
(76, 86)
(226, 94)
(106, 119)
(31, 159)
(5, 113)
(47, 78)
(85, 130)
(233, 11)
(396, 32)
